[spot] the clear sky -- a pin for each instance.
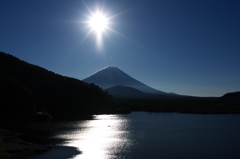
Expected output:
(189, 47)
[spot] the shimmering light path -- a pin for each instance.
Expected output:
(102, 138)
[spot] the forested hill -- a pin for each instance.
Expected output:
(26, 88)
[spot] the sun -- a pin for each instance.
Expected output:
(98, 22)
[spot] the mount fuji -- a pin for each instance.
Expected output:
(112, 78)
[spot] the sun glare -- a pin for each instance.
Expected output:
(98, 22)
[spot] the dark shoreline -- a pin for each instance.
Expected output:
(59, 152)
(13, 146)
(23, 142)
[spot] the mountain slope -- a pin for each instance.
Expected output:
(113, 76)
(126, 92)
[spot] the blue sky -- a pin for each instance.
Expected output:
(189, 47)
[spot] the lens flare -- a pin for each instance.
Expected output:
(98, 22)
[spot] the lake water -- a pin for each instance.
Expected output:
(143, 135)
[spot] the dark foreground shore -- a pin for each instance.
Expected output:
(13, 147)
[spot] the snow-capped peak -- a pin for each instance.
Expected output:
(113, 76)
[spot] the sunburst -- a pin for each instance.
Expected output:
(99, 22)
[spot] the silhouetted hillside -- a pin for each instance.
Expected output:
(16, 99)
(31, 85)
(230, 100)
(233, 97)
(227, 104)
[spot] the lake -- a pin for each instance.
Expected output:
(143, 135)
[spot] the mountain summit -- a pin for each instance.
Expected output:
(113, 76)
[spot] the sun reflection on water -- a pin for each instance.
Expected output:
(101, 138)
